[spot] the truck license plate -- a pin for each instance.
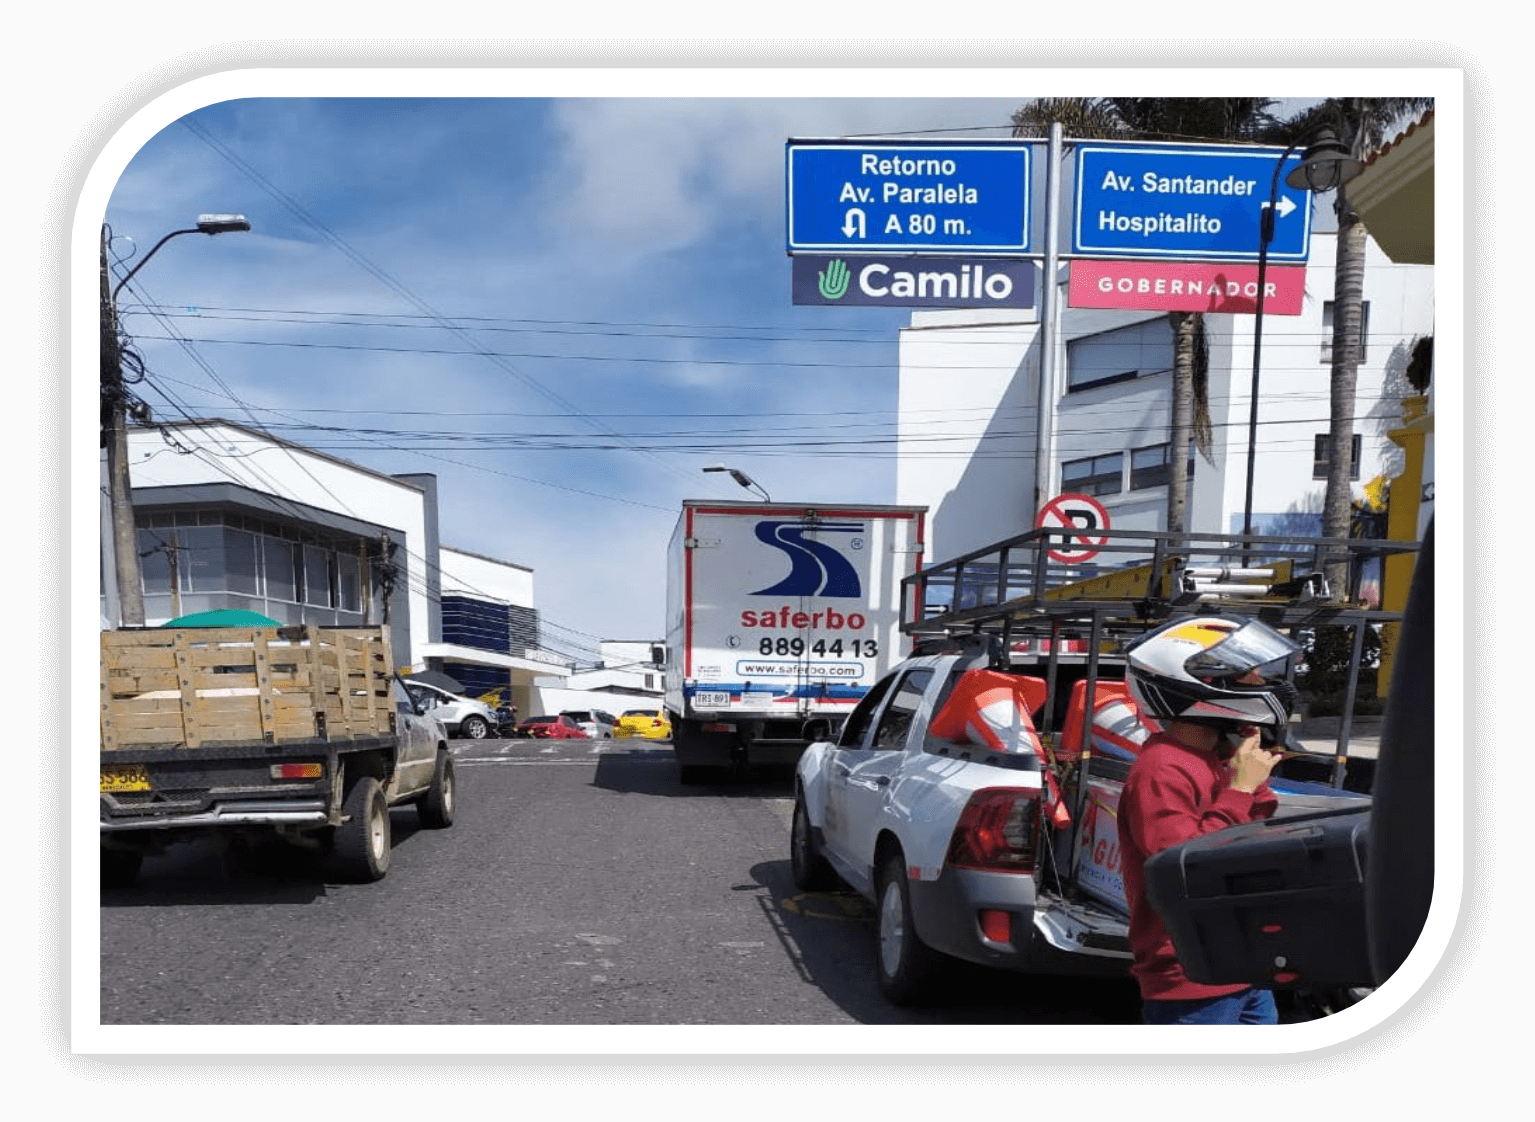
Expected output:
(711, 700)
(125, 777)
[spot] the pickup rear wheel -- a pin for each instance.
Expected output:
(809, 868)
(904, 966)
(437, 805)
(362, 842)
(474, 727)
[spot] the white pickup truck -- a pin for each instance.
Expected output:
(953, 842)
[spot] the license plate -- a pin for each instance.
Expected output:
(125, 777)
(711, 700)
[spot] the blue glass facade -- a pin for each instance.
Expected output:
(502, 628)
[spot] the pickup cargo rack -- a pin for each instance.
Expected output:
(1022, 593)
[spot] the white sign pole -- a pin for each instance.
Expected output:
(1044, 440)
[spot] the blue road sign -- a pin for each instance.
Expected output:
(1197, 202)
(968, 197)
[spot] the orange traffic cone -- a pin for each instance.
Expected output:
(991, 709)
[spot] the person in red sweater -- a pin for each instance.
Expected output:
(1221, 689)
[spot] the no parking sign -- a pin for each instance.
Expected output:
(1081, 514)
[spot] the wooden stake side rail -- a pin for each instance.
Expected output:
(193, 687)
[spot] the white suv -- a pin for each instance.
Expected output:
(596, 723)
(461, 716)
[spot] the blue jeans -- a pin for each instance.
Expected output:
(1249, 1007)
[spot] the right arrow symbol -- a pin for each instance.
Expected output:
(1286, 205)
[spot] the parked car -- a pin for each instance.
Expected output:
(648, 724)
(558, 727)
(596, 723)
(461, 716)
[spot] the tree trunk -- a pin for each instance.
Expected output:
(1184, 325)
(1347, 296)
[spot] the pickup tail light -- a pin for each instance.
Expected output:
(998, 831)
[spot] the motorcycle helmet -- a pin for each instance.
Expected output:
(1215, 671)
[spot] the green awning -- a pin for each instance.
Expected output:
(223, 617)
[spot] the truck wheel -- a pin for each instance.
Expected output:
(474, 727)
(437, 805)
(904, 966)
(362, 842)
(810, 870)
(120, 867)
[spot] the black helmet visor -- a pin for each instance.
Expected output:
(1254, 651)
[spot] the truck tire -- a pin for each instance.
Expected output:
(362, 842)
(437, 805)
(474, 727)
(809, 868)
(120, 867)
(904, 966)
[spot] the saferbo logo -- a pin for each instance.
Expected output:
(817, 568)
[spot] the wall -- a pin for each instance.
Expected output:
(221, 452)
(961, 380)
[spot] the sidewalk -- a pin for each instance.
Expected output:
(1320, 734)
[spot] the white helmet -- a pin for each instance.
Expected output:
(1214, 671)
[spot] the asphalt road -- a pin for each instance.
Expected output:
(580, 884)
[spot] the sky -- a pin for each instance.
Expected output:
(562, 292)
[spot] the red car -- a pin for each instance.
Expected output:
(552, 728)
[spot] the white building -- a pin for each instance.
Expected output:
(969, 410)
(231, 517)
(628, 677)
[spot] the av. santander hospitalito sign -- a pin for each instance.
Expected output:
(969, 197)
(1185, 286)
(1190, 202)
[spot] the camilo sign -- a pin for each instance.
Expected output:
(913, 282)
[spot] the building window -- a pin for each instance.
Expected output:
(349, 582)
(214, 552)
(240, 551)
(1321, 456)
(1096, 475)
(319, 576)
(1152, 467)
(1327, 326)
(1136, 351)
(281, 564)
(468, 622)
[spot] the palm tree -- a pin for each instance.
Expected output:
(1363, 124)
(1164, 118)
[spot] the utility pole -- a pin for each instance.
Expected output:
(114, 419)
(114, 410)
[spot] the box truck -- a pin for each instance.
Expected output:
(779, 618)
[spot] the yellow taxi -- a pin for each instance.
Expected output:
(649, 724)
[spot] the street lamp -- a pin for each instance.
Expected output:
(742, 478)
(1327, 164)
(125, 549)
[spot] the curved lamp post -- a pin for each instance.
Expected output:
(125, 548)
(742, 478)
(1327, 164)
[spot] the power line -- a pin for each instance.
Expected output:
(292, 205)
